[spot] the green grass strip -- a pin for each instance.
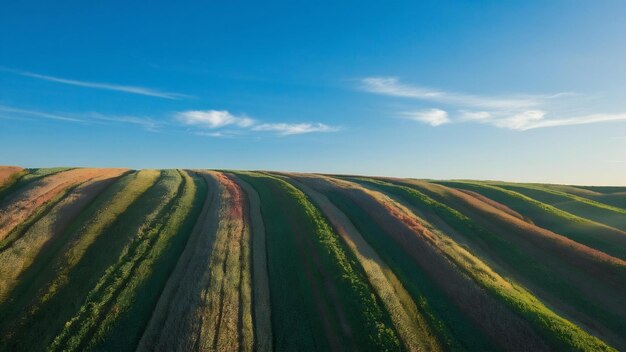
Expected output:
(372, 326)
(99, 307)
(122, 330)
(562, 333)
(576, 205)
(49, 290)
(452, 328)
(574, 227)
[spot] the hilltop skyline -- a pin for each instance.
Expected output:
(527, 92)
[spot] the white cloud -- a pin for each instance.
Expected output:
(433, 117)
(213, 119)
(218, 119)
(520, 121)
(515, 112)
(294, 128)
(106, 86)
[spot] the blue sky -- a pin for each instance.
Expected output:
(525, 91)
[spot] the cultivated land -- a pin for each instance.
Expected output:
(123, 260)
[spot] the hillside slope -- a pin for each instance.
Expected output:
(124, 260)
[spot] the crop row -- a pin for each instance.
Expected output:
(115, 259)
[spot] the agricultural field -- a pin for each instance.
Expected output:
(223, 260)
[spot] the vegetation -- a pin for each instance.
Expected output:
(208, 294)
(263, 336)
(24, 177)
(574, 204)
(114, 259)
(579, 229)
(530, 269)
(332, 300)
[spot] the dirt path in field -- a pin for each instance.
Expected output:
(411, 326)
(18, 255)
(261, 290)
(503, 327)
(6, 172)
(20, 206)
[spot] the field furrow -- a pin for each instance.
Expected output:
(411, 325)
(555, 281)
(260, 281)
(105, 321)
(582, 207)
(208, 279)
(314, 279)
(19, 206)
(52, 287)
(206, 260)
(522, 312)
(586, 232)
(19, 253)
(98, 260)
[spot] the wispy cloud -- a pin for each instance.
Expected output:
(86, 118)
(216, 120)
(147, 123)
(39, 114)
(579, 120)
(99, 85)
(393, 87)
(516, 112)
(433, 117)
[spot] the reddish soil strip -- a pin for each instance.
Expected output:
(495, 204)
(202, 307)
(595, 279)
(411, 326)
(504, 327)
(591, 261)
(262, 308)
(7, 171)
(228, 334)
(587, 286)
(18, 256)
(20, 206)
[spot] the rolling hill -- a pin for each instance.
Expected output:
(121, 260)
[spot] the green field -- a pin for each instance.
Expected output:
(122, 260)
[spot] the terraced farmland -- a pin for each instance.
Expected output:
(120, 260)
